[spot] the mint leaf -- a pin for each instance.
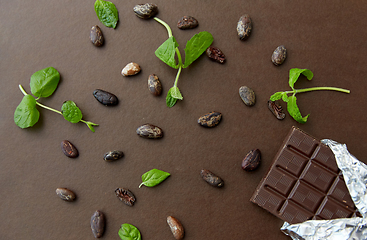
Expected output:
(285, 97)
(129, 232)
(106, 13)
(170, 101)
(26, 114)
(175, 93)
(166, 52)
(294, 110)
(294, 75)
(90, 125)
(276, 96)
(197, 46)
(44, 82)
(71, 112)
(153, 177)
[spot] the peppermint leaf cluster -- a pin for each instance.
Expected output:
(168, 51)
(291, 100)
(43, 84)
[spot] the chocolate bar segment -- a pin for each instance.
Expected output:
(304, 183)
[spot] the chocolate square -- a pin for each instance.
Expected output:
(304, 182)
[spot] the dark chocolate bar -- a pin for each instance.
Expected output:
(304, 183)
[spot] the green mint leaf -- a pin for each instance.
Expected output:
(71, 112)
(107, 13)
(276, 96)
(285, 97)
(294, 75)
(197, 46)
(166, 52)
(90, 125)
(170, 101)
(129, 232)
(175, 93)
(294, 110)
(44, 82)
(26, 114)
(153, 177)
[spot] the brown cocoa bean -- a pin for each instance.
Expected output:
(97, 224)
(113, 155)
(279, 55)
(65, 194)
(215, 54)
(187, 22)
(252, 160)
(69, 149)
(247, 95)
(126, 196)
(146, 10)
(211, 178)
(276, 109)
(96, 36)
(105, 98)
(154, 85)
(176, 228)
(244, 27)
(149, 131)
(210, 120)
(130, 69)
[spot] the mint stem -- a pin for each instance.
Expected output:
(22, 90)
(177, 76)
(165, 25)
(318, 88)
(48, 108)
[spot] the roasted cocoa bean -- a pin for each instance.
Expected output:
(215, 54)
(149, 131)
(105, 98)
(113, 155)
(187, 22)
(252, 160)
(211, 119)
(276, 109)
(244, 27)
(176, 228)
(130, 69)
(126, 196)
(97, 224)
(65, 194)
(146, 10)
(247, 95)
(279, 55)
(69, 149)
(211, 178)
(96, 36)
(154, 85)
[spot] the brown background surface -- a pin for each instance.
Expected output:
(327, 37)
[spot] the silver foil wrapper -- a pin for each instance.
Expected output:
(355, 177)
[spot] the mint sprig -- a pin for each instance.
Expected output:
(291, 100)
(168, 51)
(43, 84)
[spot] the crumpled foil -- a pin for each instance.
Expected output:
(355, 177)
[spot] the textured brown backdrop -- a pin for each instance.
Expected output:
(328, 37)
